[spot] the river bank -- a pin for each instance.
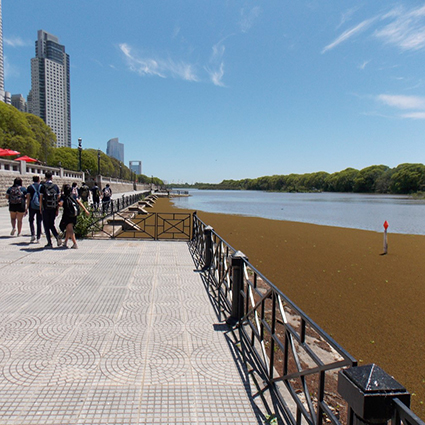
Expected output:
(373, 305)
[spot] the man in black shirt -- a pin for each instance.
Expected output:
(49, 207)
(33, 206)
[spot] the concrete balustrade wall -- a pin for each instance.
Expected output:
(9, 170)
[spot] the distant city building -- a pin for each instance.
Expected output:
(19, 102)
(136, 167)
(4, 96)
(50, 95)
(115, 149)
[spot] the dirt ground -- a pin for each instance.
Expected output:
(371, 304)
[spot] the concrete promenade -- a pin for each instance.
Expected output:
(116, 332)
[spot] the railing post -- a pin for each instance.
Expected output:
(208, 247)
(237, 266)
(369, 392)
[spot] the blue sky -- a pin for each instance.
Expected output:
(210, 90)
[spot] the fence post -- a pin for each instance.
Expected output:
(369, 392)
(237, 266)
(208, 247)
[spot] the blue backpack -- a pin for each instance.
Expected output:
(35, 200)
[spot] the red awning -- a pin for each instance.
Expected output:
(26, 159)
(8, 152)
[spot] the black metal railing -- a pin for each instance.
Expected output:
(120, 221)
(296, 359)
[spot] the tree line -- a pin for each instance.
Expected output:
(403, 179)
(29, 135)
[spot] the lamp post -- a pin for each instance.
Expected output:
(98, 162)
(80, 148)
(120, 172)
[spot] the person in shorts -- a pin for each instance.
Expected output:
(69, 216)
(17, 207)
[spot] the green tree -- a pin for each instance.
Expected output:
(408, 178)
(342, 181)
(366, 179)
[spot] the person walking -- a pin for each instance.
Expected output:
(17, 207)
(71, 210)
(33, 207)
(75, 191)
(106, 198)
(49, 208)
(95, 196)
(84, 192)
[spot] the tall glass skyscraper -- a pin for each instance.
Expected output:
(115, 149)
(1, 59)
(50, 95)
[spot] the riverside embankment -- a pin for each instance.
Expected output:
(373, 305)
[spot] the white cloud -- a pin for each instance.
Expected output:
(407, 31)
(402, 102)
(216, 75)
(363, 65)
(15, 42)
(163, 68)
(248, 18)
(414, 115)
(349, 34)
(216, 68)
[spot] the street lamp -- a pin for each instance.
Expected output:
(80, 148)
(120, 172)
(98, 162)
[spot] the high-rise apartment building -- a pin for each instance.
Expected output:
(19, 102)
(136, 167)
(50, 95)
(115, 149)
(4, 97)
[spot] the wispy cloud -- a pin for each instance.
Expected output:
(401, 27)
(215, 69)
(363, 65)
(407, 31)
(347, 16)
(414, 115)
(405, 102)
(346, 35)
(159, 67)
(402, 102)
(16, 42)
(248, 17)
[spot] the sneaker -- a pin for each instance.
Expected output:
(12, 232)
(48, 246)
(37, 241)
(18, 234)
(59, 241)
(32, 238)
(74, 246)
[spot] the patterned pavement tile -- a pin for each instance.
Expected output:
(116, 332)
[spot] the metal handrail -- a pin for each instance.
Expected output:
(298, 361)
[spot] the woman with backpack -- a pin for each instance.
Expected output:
(17, 207)
(71, 210)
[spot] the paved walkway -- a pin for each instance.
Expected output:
(116, 332)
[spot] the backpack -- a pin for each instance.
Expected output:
(84, 192)
(51, 196)
(15, 195)
(71, 207)
(35, 200)
(107, 192)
